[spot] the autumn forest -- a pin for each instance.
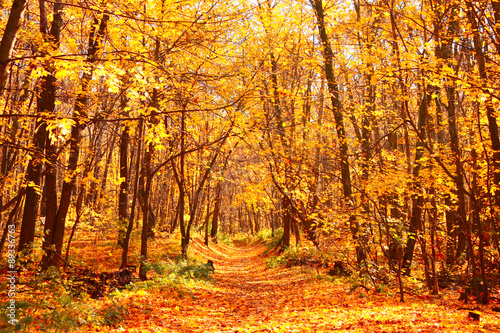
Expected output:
(339, 147)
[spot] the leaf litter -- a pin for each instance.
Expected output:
(247, 296)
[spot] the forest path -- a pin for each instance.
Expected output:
(248, 293)
(249, 297)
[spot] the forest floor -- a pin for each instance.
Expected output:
(246, 296)
(242, 295)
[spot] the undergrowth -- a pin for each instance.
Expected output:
(53, 306)
(181, 270)
(298, 256)
(225, 239)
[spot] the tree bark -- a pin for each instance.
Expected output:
(333, 89)
(495, 145)
(144, 192)
(9, 37)
(130, 227)
(215, 217)
(124, 181)
(79, 115)
(418, 199)
(207, 215)
(490, 110)
(45, 105)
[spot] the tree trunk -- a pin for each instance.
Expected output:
(287, 221)
(418, 199)
(333, 89)
(445, 52)
(144, 192)
(207, 216)
(124, 184)
(80, 115)
(490, 110)
(9, 37)
(215, 217)
(130, 227)
(31, 208)
(45, 105)
(10, 221)
(196, 200)
(79, 206)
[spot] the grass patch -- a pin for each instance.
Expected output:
(225, 239)
(299, 256)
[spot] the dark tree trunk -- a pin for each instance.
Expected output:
(130, 226)
(285, 206)
(79, 206)
(418, 199)
(215, 217)
(495, 144)
(45, 105)
(31, 208)
(196, 200)
(457, 219)
(181, 182)
(124, 186)
(144, 193)
(333, 89)
(79, 115)
(256, 219)
(490, 110)
(207, 216)
(10, 220)
(287, 221)
(9, 37)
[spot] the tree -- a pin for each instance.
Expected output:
(9, 37)
(55, 228)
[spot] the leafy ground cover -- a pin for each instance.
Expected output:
(245, 294)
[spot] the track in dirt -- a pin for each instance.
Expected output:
(247, 292)
(249, 297)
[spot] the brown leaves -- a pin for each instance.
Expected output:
(248, 297)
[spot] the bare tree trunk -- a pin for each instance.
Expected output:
(418, 199)
(130, 226)
(495, 144)
(182, 186)
(10, 220)
(287, 222)
(124, 184)
(445, 52)
(79, 206)
(215, 216)
(9, 37)
(333, 89)
(207, 215)
(144, 192)
(45, 105)
(490, 110)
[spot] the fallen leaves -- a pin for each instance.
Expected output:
(248, 297)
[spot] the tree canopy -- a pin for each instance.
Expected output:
(365, 126)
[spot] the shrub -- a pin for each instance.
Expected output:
(278, 234)
(264, 234)
(295, 256)
(225, 239)
(181, 269)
